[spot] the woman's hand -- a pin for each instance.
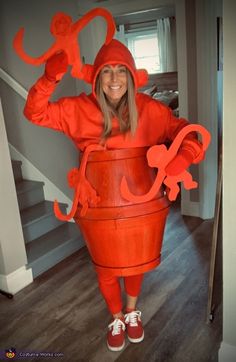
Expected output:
(56, 66)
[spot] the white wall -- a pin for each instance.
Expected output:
(228, 348)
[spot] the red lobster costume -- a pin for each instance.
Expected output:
(119, 202)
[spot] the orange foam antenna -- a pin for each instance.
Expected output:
(158, 156)
(66, 39)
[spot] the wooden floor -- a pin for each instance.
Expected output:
(62, 311)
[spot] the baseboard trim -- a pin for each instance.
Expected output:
(227, 353)
(16, 281)
(191, 208)
(188, 207)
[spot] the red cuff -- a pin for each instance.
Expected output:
(44, 85)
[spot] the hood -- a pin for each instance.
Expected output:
(114, 53)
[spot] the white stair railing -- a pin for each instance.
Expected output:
(13, 83)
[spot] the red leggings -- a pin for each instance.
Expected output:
(111, 290)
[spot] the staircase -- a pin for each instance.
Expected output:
(47, 240)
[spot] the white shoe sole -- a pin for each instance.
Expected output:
(115, 349)
(136, 340)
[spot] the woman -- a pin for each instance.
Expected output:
(116, 116)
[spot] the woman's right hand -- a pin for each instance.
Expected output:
(56, 66)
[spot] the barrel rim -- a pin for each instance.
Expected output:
(119, 212)
(130, 270)
(117, 154)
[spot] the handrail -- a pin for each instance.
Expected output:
(13, 83)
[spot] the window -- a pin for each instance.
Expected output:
(144, 48)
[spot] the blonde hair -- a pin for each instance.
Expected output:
(126, 110)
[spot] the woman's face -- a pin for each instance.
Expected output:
(114, 82)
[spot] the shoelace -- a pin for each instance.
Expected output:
(132, 318)
(117, 325)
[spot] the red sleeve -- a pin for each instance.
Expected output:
(39, 110)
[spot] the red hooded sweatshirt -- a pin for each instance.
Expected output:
(81, 119)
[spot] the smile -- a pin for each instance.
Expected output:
(115, 87)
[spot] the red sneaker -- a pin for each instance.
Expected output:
(134, 326)
(116, 335)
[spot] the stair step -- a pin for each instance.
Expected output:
(17, 171)
(49, 249)
(29, 193)
(39, 219)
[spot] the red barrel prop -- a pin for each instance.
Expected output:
(123, 238)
